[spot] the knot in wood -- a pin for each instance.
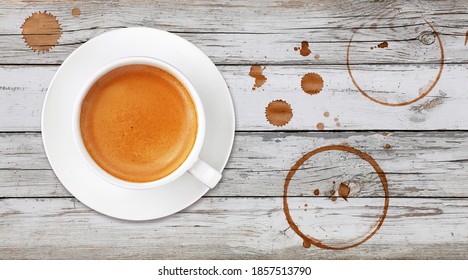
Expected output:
(427, 37)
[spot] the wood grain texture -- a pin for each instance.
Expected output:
(23, 88)
(429, 164)
(248, 32)
(227, 228)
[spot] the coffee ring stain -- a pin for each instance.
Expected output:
(312, 83)
(278, 113)
(421, 96)
(308, 240)
(41, 31)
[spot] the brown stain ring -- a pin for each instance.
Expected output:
(424, 94)
(383, 179)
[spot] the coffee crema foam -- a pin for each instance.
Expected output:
(138, 123)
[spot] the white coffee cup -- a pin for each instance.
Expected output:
(192, 164)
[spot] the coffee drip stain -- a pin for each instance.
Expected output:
(256, 72)
(278, 112)
(382, 45)
(304, 49)
(421, 96)
(41, 31)
(312, 83)
(466, 37)
(308, 240)
(343, 191)
(332, 197)
(76, 12)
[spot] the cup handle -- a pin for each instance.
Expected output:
(205, 173)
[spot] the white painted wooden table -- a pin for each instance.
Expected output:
(422, 147)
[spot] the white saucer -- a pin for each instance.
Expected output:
(68, 164)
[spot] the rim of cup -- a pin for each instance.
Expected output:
(196, 148)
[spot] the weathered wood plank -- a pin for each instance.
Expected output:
(429, 164)
(22, 90)
(248, 32)
(233, 228)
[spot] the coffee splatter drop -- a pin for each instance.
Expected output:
(373, 26)
(305, 51)
(326, 114)
(383, 45)
(305, 205)
(316, 56)
(256, 72)
(41, 31)
(343, 191)
(296, 48)
(466, 37)
(306, 244)
(278, 113)
(316, 191)
(332, 193)
(387, 146)
(320, 126)
(337, 121)
(312, 83)
(76, 12)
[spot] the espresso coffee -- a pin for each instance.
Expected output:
(138, 123)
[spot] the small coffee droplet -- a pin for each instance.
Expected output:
(343, 191)
(326, 114)
(387, 146)
(383, 45)
(320, 126)
(316, 191)
(76, 12)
